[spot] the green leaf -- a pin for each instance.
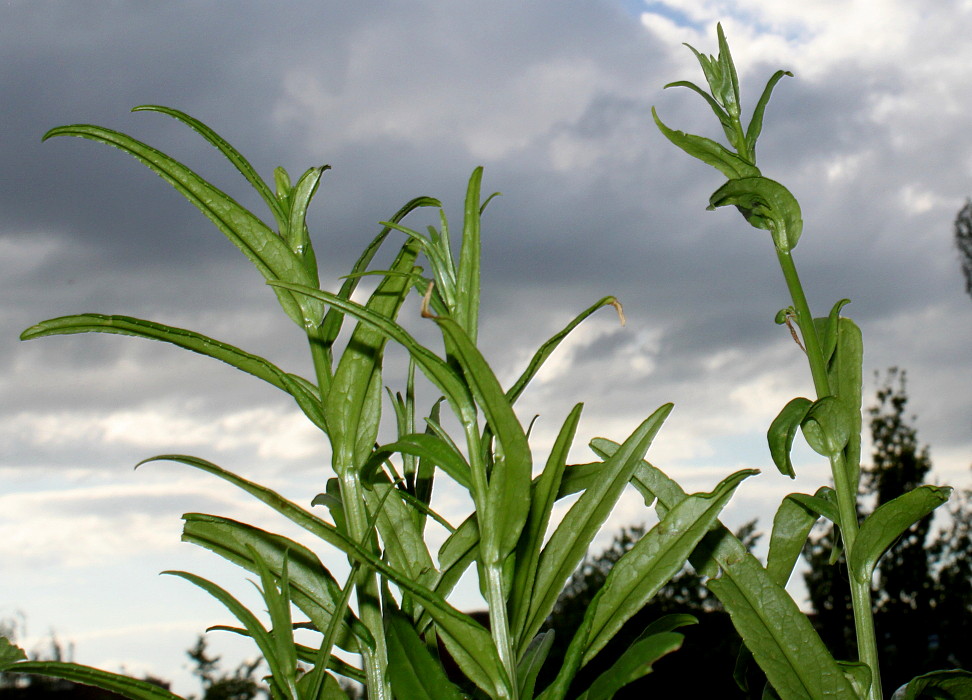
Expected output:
(859, 675)
(10, 653)
(188, 340)
(230, 153)
(782, 431)
(791, 527)
(765, 204)
(827, 426)
(765, 609)
(569, 542)
(467, 279)
(404, 546)
(708, 151)
(296, 235)
(353, 403)
(636, 662)
(435, 368)
(112, 682)
(781, 638)
(543, 497)
(827, 330)
(264, 639)
(954, 684)
(425, 446)
(333, 320)
(660, 554)
(545, 350)
(255, 239)
(468, 642)
(845, 375)
(312, 587)
(413, 671)
(507, 500)
(530, 663)
(756, 123)
(887, 523)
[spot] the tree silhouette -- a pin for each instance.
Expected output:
(963, 240)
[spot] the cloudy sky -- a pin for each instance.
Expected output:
(873, 135)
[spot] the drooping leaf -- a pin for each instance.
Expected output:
(312, 587)
(189, 340)
(545, 350)
(86, 675)
(887, 523)
(782, 431)
(230, 153)
(791, 527)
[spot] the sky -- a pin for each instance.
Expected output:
(403, 99)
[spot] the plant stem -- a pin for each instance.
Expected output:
(846, 491)
(490, 568)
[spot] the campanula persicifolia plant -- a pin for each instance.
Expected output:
(375, 503)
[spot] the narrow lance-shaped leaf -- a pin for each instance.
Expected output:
(508, 494)
(467, 280)
(756, 123)
(86, 675)
(231, 154)
(353, 402)
(770, 616)
(660, 554)
(413, 671)
(570, 541)
(887, 523)
(708, 151)
(188, 340)
(312, 587)
(543, 497)
(545, 350)
(468, 642)
(255, 239)
(784, 644)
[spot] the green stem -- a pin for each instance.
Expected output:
(846, 491)
(374, 661)
(490, 568)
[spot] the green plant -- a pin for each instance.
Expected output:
(830, 423)
(379, 497)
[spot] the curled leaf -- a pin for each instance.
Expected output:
(765, 204)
